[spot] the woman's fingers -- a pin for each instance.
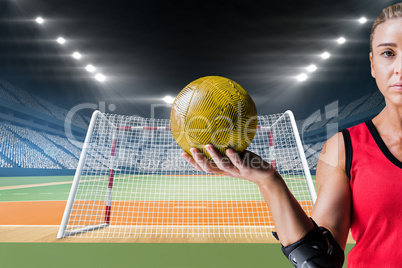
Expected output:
(249, 166)
(206, 165)
(218, 159)
(222, 162)
(234, 158)
(191, 161)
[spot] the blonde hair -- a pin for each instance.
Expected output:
(391, 12)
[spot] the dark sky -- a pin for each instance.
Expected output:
(149, 49)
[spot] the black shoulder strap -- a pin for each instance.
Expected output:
(348, 151)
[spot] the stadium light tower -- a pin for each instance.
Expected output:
(362, 20)
(39, 20)
(100, 77)
(61, 40)
(169, 99)
(90, 68)
(76, 55)
(311, 68)
(301, 77)
(325, 55)
(341, 40)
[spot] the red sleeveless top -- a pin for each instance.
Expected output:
(376, 186)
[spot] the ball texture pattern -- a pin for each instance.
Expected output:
(213, 110)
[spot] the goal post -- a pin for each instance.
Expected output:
(131, 182)
(303, 159)
(76, 181)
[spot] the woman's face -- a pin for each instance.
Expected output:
(386, 60)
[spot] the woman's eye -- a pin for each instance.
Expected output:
(387, 53)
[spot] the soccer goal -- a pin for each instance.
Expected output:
(131, 182)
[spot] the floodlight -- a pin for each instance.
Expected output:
(168, 99)
(301, 77)
(61, 40)
(76, 55)
(341, 40)
(362, 20)
(100, 77)
(39, 20)
(325, 55)
(311, 68)
(90, 68)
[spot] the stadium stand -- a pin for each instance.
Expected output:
(6, 96)
(24, 144)
(64, 159)
(4, 163)
(348, 110)
(22, 154)
(373, 101)
(32, 134)
(67, 146)
(87, 119)
(58, 112)
(299, 124)
(312, 160)
(61, 113)
(312, 152)
(24, 97)
(325, 119)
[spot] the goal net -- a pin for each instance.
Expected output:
(131, 182)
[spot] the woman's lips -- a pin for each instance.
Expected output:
(397, 86)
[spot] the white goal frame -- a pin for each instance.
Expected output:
(109, 167)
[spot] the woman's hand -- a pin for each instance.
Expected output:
(289, 218)
(249, 166)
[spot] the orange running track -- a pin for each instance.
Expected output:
(32, 212)
(207, 213)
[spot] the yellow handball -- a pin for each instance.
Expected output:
(213, 110)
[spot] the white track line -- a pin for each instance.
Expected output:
(29, 226)
(33, 201)
(33, 185)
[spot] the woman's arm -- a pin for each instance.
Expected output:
(333, 206)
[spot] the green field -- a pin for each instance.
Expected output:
(9, 181)
(139, 188)
(118, 255)
(42, 193)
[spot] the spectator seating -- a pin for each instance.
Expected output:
(373, 101)
(4, 95)
(66, 160)
(24, 97)
(28, 148)
(20, 153)
(61, 113)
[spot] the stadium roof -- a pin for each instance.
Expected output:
(149, 49)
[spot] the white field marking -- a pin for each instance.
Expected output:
(201, 234)
(34, 201)
(20, 194)
(190, 207)
(29, 226)
(190, 226)
(33, 185)
(123, 193)
(46, 193)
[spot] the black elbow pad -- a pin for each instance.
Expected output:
(318, 249)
